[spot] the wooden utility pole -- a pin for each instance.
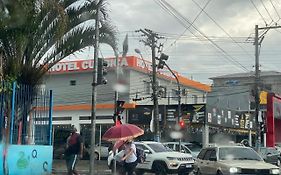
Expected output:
(151, 41)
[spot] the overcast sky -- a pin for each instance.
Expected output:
(219, 42)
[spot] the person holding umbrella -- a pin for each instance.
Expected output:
(130, 157)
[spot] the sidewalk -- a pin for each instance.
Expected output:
(59, 167)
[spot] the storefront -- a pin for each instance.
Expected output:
(192, 114)
(273, 120)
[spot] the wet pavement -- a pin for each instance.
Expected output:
(59, 167)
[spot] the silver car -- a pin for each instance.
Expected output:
(229, 160)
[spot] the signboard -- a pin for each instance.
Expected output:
(28, 159)
(191, 113)
(229, 118)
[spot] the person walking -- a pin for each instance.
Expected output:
(74, 148)
(130, 157)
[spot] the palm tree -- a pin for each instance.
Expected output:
(36, 34)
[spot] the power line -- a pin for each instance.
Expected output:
(258, 12)
(275, 9)
(267, 11)
(228, 57)
(223, 30)
(197, 16)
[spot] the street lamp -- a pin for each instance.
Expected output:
(139, 52)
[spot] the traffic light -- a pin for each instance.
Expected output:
(102, 71)
(119, 111)
(162, 59)
(182, 124)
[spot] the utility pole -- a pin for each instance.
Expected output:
(94, 92)
(257, 43)
(151, 41)
(257, 81)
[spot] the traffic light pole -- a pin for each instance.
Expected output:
(179, 99)
(94, 92)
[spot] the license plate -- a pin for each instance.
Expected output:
(188, 166)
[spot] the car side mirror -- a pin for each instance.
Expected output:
(213, 159)
(146, 151)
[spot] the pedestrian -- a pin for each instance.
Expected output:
(74, 148)
(130, 157)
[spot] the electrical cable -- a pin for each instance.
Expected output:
(228, 57)
(259, 12)
(197, 16)
(267, 11)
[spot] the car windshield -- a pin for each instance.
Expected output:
(193, 147)
(157, 147)
(233, 153)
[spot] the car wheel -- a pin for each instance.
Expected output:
(96, 156)
(219, 172)
(198, 172)
(159, 169)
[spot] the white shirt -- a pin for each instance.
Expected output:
(131, 158)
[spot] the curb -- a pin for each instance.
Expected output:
(104, 172)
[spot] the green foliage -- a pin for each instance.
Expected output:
(36, 34)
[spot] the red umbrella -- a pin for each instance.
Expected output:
(118, 144)
(122, 132)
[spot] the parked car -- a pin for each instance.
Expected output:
(270, 155)
(229, 160)
(175, 147)
(101, 150)
(194, 147)
(160, 159)
(187, 147)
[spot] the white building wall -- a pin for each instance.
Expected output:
(81, 93)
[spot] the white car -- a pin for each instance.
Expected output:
(101, 151)
(160, 160)
(230, 160)
(175, 147)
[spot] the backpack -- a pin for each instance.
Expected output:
(140, 155)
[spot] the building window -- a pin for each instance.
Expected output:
(147, 87)
(72, 82)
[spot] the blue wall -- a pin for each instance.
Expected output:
(27, 159)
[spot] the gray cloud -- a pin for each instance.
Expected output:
(200, 58)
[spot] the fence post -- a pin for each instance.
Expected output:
(13, 112)
(50, 117)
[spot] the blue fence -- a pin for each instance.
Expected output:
(26, 114)
(26, 129)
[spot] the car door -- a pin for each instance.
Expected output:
(272, 155)
(199, 162)
(205, 162)
(209, 162)
(147, 164)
